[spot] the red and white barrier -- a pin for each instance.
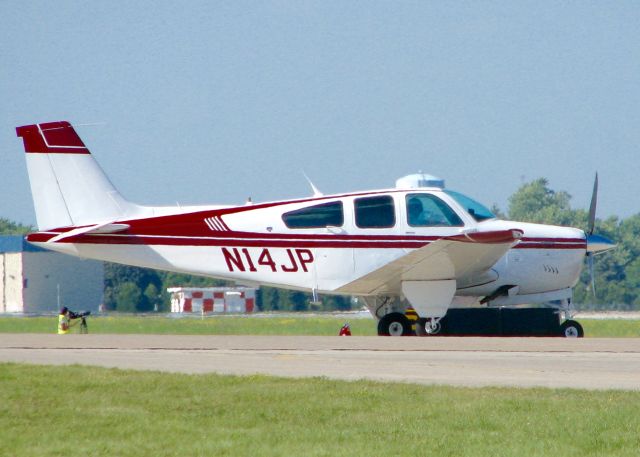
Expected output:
(212, 299)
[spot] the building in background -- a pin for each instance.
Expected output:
(33, 280)
(212, 299)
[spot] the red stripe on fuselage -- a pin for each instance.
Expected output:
(487, 237)
(240, 239)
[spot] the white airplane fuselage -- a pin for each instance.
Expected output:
(252, 244)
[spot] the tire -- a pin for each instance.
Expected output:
(435, 330)
(571, 329)
(394, 324)
(421, 328)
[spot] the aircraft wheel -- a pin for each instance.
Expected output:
(433, 330)
(423, 328)
(571, 329)
(394, 324)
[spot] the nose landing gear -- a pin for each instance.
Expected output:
(428, 327)
(571, 329)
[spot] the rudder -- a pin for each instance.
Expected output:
(67, 184)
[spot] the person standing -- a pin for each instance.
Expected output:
(64, 321)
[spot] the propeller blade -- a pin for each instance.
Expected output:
(592, 207)
(592, 273)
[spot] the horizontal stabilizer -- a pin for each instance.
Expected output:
(93, 229)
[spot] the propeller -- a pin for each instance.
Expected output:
(596, 244)
(591, 273)
(592, 207)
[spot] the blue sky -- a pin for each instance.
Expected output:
(212, 102)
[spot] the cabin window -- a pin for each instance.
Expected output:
(375, 212)
(426, 210)
(325, 215)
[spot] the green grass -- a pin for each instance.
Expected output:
(239, 325)
(213, 325)
(619, 328)
(60, 411)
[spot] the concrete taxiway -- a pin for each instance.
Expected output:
(596, 363)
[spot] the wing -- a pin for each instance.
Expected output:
(455, 257)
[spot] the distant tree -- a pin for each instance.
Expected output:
(336, 303)
(268, 299)
(8, 227)
(535, 202)
(153, 298)
(115, 275)
(498, 212)
(170, 279)
(299, 301)
(275, 299)
(617, 272)
(128, 297)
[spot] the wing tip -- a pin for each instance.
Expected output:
(492, 237)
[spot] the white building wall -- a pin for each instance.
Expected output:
(11, 282)
(81, 282)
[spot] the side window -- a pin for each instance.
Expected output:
(426, 210)
(375, 212)
(327, 214)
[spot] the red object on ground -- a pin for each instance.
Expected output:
(345, 330)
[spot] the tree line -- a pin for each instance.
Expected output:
(617, 272)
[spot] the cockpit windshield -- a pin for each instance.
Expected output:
(477, 210)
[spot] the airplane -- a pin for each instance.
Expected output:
(417, 244)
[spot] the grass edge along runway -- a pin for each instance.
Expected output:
(78, 410)
(250, 325)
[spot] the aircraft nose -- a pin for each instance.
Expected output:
(597, 244)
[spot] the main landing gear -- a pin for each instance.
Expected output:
(394, 324)
(398, 324)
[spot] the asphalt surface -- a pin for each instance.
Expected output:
(589, 363)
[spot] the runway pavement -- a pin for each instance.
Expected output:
(590, 363)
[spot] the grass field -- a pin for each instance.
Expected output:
(241, 325)
(54, 411)
(213, 325)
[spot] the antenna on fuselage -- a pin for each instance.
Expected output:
(316, 192)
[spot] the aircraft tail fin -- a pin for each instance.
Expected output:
(67, 184)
